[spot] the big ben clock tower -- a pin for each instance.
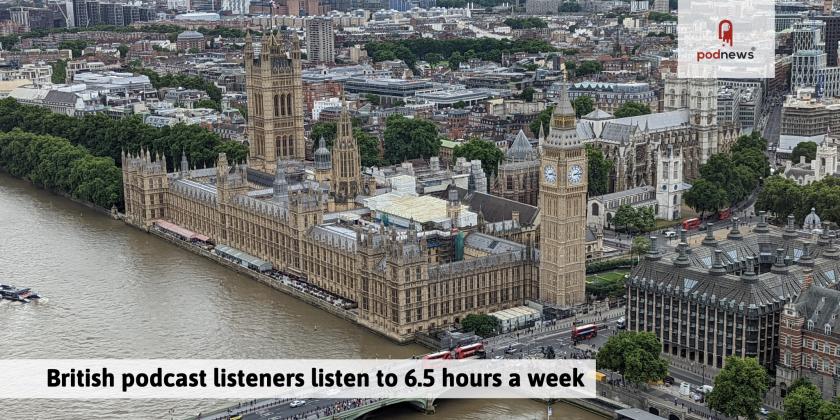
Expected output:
(562, 205)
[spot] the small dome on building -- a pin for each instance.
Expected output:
(323, 158)
(187, 35)
(812, 220)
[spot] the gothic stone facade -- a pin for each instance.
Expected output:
(400, 281)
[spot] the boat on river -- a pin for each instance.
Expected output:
(17, 294)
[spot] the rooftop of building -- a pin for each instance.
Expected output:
(746, 272)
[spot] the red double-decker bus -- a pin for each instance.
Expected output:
(725, 214)
(692, 223)
(584, 332)
(470, 350)
(441, 355)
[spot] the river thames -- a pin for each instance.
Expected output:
(113, 291)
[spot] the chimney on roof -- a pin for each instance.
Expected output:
(779, 266)
(761, 226)
(734, 233)
(806, 260)
(749, 276)
(717, 268)
(682, 255)
(710, 240)
(653, 252)
(790, 229)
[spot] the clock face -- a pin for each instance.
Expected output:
(550, 174)
(575, 174)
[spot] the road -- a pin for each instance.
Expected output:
(527, 343)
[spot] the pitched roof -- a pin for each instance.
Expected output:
(494, 208)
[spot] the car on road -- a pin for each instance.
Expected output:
(670, 234)
(297, 403)
(498, 357)
(763, 411)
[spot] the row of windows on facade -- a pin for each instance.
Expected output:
(816, 345)
(815, 363)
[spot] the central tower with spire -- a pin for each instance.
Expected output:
(275, 100)
(346, 178)
(562, 203)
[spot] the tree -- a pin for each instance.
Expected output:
(207, 103)
(829, 410)
(525, 23)
(706, 196)
(409, 138)
(640, 246)
(803, 403)
(76, 46)
(368, 148)
(587, 67)
(543, 119)
(583, 105)
(527, 94)
(739, 388)
(481, 324)
(634, 355)
(645, 219)
(780, 195)
(485, 151)
(807, 149)
(625, 217)
(193, 50)
(661, 17)
(632, 109)
(459, 105)
(59, 71)
(598, 168)
(123, 50)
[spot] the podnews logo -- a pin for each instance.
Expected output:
(726, 35)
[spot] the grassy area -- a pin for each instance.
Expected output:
(608, 276)
(606, 284)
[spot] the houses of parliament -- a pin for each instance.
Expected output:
(409, 263)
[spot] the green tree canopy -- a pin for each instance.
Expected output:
(803, 403)
(807, 149)
(739, 388)
(527, 94)
(409, 138)
(640, 246)
(587, 67)
(59, 71)
(487, 152)
(525, 23)
(583, 105)
(483, 325)
(543, 118)
(599, 169)
(632, 109)
(634, 355)
(706, 196)
(208, 103)
(106, 137)
(56, 164)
